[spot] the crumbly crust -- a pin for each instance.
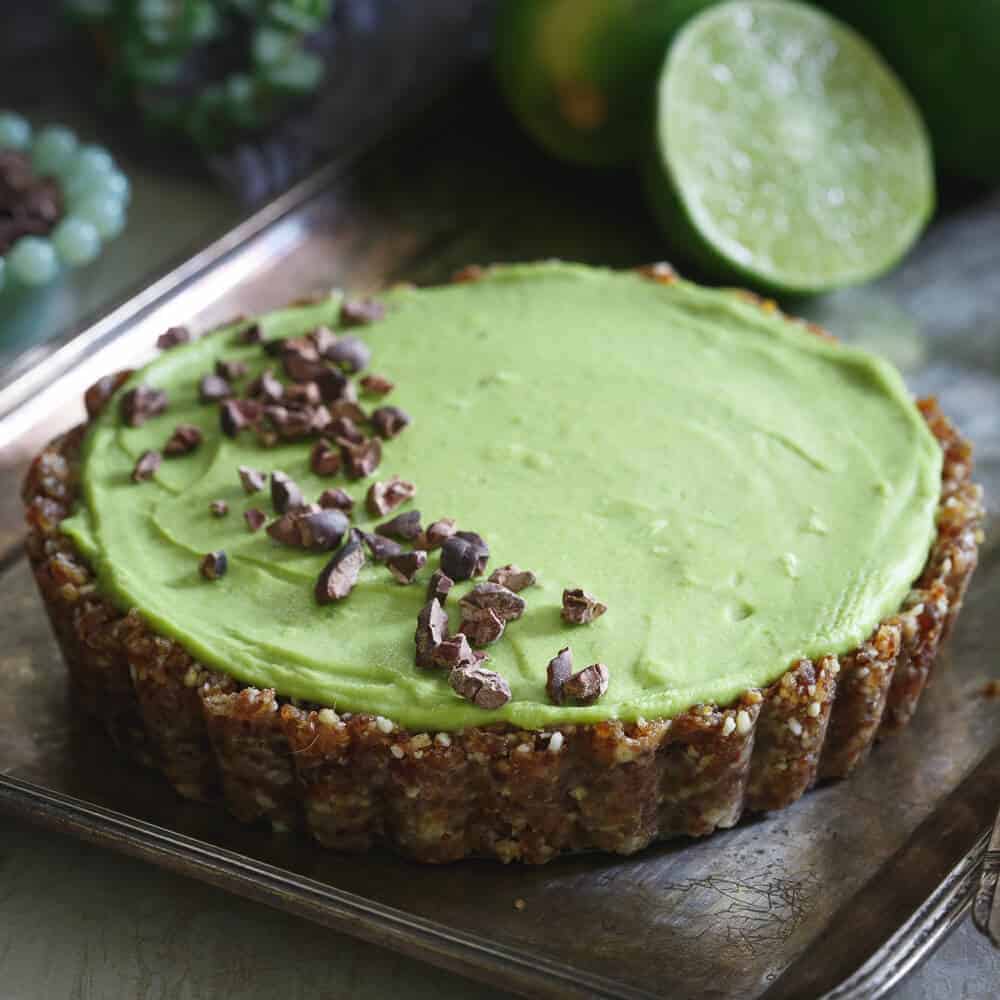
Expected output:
(354, 781)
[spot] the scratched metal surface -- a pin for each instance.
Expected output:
(781, 906)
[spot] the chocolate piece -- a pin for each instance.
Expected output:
(361, 312)
(320, 529)
(251, 479)
(213, 388)
(303, 394)
(255, 518)
(464, 555)
(581, 608)
(405, 566)
(185, 439)
(341, 572)
(230, 370)
(377, 385)
(482, 687)
(147, 464)
(97, 396)
(439, 586)
(362, 459)
(432, 629)
(454, 652)
(214, 565)
(285, 493)
(219, 508)
(383, 497)
(345, 431)
(141, 403)
(388, 421)
(336, 499)
(173, 337)
(507, 605)
(325, 459)
(333, 385)
(587, 685)
(513, 577)
(267, 387)
(404, 527)
(559, 671)
(381, 549)
(301, 361)
(435, 534)
(235, 414)
(481, 625)
(252, 334)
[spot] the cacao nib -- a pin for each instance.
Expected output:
(581, 608)
(214, 565)
(251, 480)
(507, 605)
(436, 534)
(559, 670)
(325, 459)
(383, 497)
(432, 629)
(185, 439)
(464, 555)
(361, 312)
(230, 370)
(381, 549)
(349, 354)
(267, 387)
(341, 573)
(251, 334)
(285, 493)
(481, 625)
(97, 396)
(377, 385)
(454, 652)
(482, 687)
(336, 499)
(213, 389)
(405, 566)
(513, 577)
(439, 586)
(255, 518)
(587, 685)
(362, 459)
(388, 421)
(141, 403)
(147, 464)
(403, 527)
(173, 337)
(219, 508)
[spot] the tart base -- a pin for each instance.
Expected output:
(354, 781)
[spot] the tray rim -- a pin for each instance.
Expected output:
(24, 397)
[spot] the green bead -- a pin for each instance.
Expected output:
(113, 185)
(32, 260)
(90, 162)
(105, 213)
(52, 149)
(76, 240)
(15, 132)
(300, 74)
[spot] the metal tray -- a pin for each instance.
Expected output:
(844, 892)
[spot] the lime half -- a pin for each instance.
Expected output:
(787, 153)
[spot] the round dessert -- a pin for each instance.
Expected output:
(439, 579)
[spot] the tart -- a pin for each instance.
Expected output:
(549, 559)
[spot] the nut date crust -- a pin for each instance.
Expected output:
(353, 782)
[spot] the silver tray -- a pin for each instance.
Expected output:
(840, 895)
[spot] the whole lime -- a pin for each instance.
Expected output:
(580, 75)
(787, 153)
(948, 54)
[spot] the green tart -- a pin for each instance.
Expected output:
(743, 496)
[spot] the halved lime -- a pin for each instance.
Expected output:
(580, 75)
(787, 152)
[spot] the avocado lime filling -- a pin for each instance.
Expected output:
(737, 492)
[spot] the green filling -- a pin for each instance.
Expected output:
(738, 492)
